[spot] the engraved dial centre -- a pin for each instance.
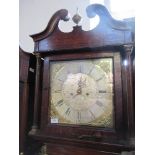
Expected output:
(81, 89)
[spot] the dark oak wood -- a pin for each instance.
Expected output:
(114, 147)
(108, 32)
(128, 90)
(53, 149)
(111, 38)
(37, 94)
(128, 50)
(26, 85)
(23, 97)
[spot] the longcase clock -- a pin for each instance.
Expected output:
(83, 89)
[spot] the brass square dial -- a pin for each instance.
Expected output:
(81, 92)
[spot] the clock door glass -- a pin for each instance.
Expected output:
(81, 92)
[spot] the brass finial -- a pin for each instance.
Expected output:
(76, 18)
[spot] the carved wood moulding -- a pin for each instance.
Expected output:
(108, 32)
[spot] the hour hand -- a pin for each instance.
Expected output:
(78, 92)
(80, 82)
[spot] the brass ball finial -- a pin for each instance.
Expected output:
(76, 18)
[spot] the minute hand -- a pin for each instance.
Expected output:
(81, 83)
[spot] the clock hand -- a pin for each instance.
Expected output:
(75, 95)
(78, 92)
(81, 83)
(80, 86)
(80, 95)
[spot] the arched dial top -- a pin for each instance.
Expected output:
(108, 32)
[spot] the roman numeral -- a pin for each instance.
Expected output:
(99, 79)
(61, 80)
(102, 91)
(91, 70)
(59, 103)
(68, 111)
(79, 116)
(80, 69)
(100, 104)
(57, 91)
(92, 115)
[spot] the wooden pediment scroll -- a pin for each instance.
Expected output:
(107, 33)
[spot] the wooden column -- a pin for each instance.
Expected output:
(129, 92)
(24, 64)
(35, 126)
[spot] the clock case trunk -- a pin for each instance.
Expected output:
(110, 38)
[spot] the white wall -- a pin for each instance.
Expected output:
(121, 9)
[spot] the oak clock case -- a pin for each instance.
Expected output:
(83, 91)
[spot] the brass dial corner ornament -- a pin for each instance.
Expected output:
(82, 92)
